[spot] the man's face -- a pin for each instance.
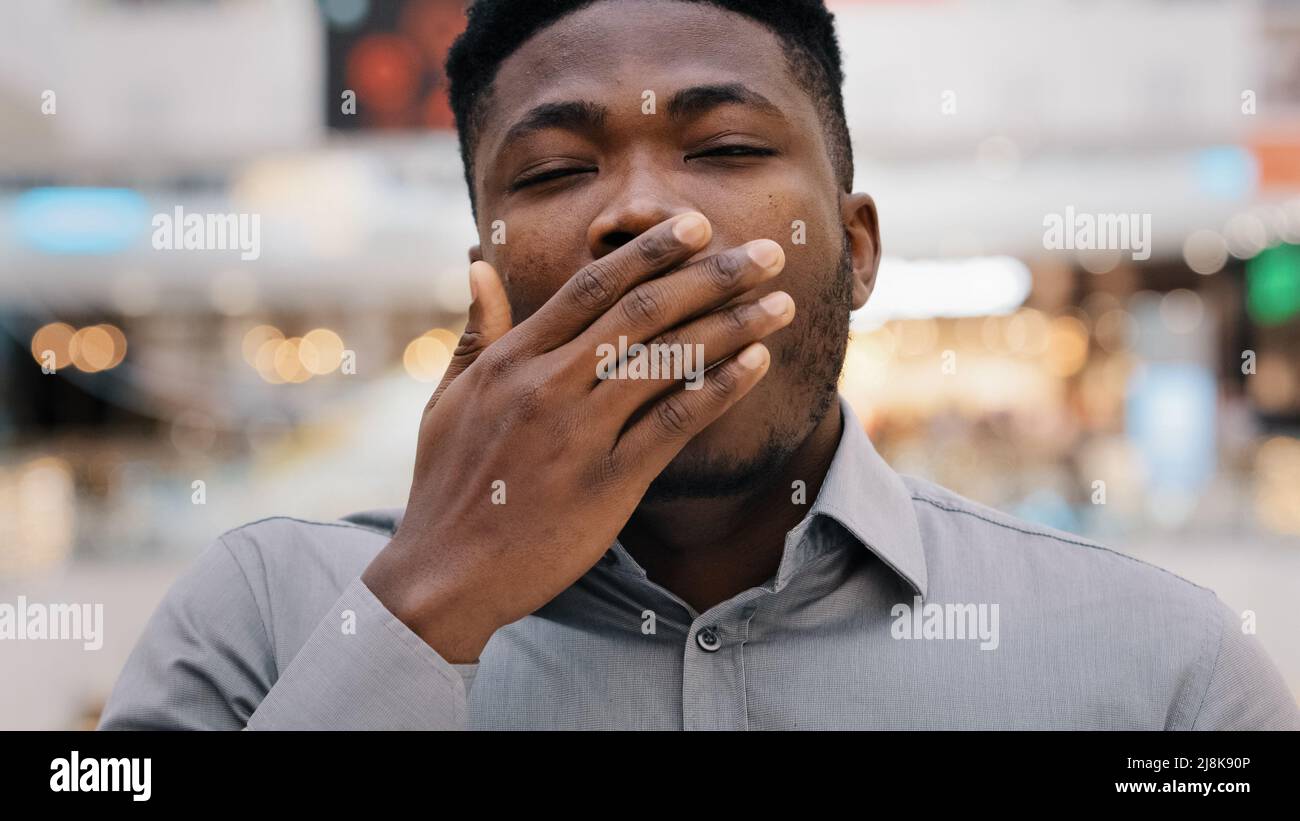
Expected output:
(574, 185)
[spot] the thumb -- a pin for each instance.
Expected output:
(489, 320)
(489, 311)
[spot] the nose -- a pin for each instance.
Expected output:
(627, 218)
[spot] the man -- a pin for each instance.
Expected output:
(677, 548)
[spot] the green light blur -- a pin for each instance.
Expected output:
(1273, 285)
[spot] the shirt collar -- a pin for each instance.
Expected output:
(868, 498)
(860, 492)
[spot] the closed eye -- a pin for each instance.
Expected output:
(546, 176)
(732, 151)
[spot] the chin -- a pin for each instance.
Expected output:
(733, 456)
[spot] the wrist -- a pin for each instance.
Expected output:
(437, 610)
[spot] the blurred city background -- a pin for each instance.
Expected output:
(1153, 404)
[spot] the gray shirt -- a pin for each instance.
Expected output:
(897, 605)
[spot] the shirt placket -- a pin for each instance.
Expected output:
(713, 663)
(713, 667)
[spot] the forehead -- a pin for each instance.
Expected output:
(612, 51)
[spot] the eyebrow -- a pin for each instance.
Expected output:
(573, 115)
(697, 100)
(583, 115)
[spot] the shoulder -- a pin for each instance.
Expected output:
(295, 569)
(1075, 607)
(1120, 618)
(236, 617)
(964, 533)
(279, 543)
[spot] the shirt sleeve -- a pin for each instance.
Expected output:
(1246, 691)
(205, 661)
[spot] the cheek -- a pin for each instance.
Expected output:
(535, 261)
(813, 238)
(806, 227)
(782, 206)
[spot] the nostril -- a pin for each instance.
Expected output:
(617, 239)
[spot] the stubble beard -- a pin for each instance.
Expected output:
(815, 361)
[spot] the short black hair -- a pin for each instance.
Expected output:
(497, 28)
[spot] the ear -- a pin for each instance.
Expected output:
(475, 254)
(858, 211)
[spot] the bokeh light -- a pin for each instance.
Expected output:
(1205, 251)
(255, 338)
(51, 342)
(426, 358)
(91, 349)
(321, 351)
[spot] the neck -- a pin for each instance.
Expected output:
(708, 550)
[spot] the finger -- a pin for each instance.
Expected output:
(489, 310)
(653, 307)
(682, 355)
(489, 320)
(663, 430)
(597, 286)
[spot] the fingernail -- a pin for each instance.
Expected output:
(473, 285)
(776, 303)
(753, 357)
(691, 229)
(766, 253)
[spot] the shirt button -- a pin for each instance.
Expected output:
(708, 640)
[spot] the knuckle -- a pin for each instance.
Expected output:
(563, 419)
(722, 381)
(723, 270)
(670, 341)
(492, 364)
(605, 471)
(591, 288)
(655, 247)
(433, 400)
(471, 343)
(642, 305)
(528, 399)
(736, 318)
(672, 416)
